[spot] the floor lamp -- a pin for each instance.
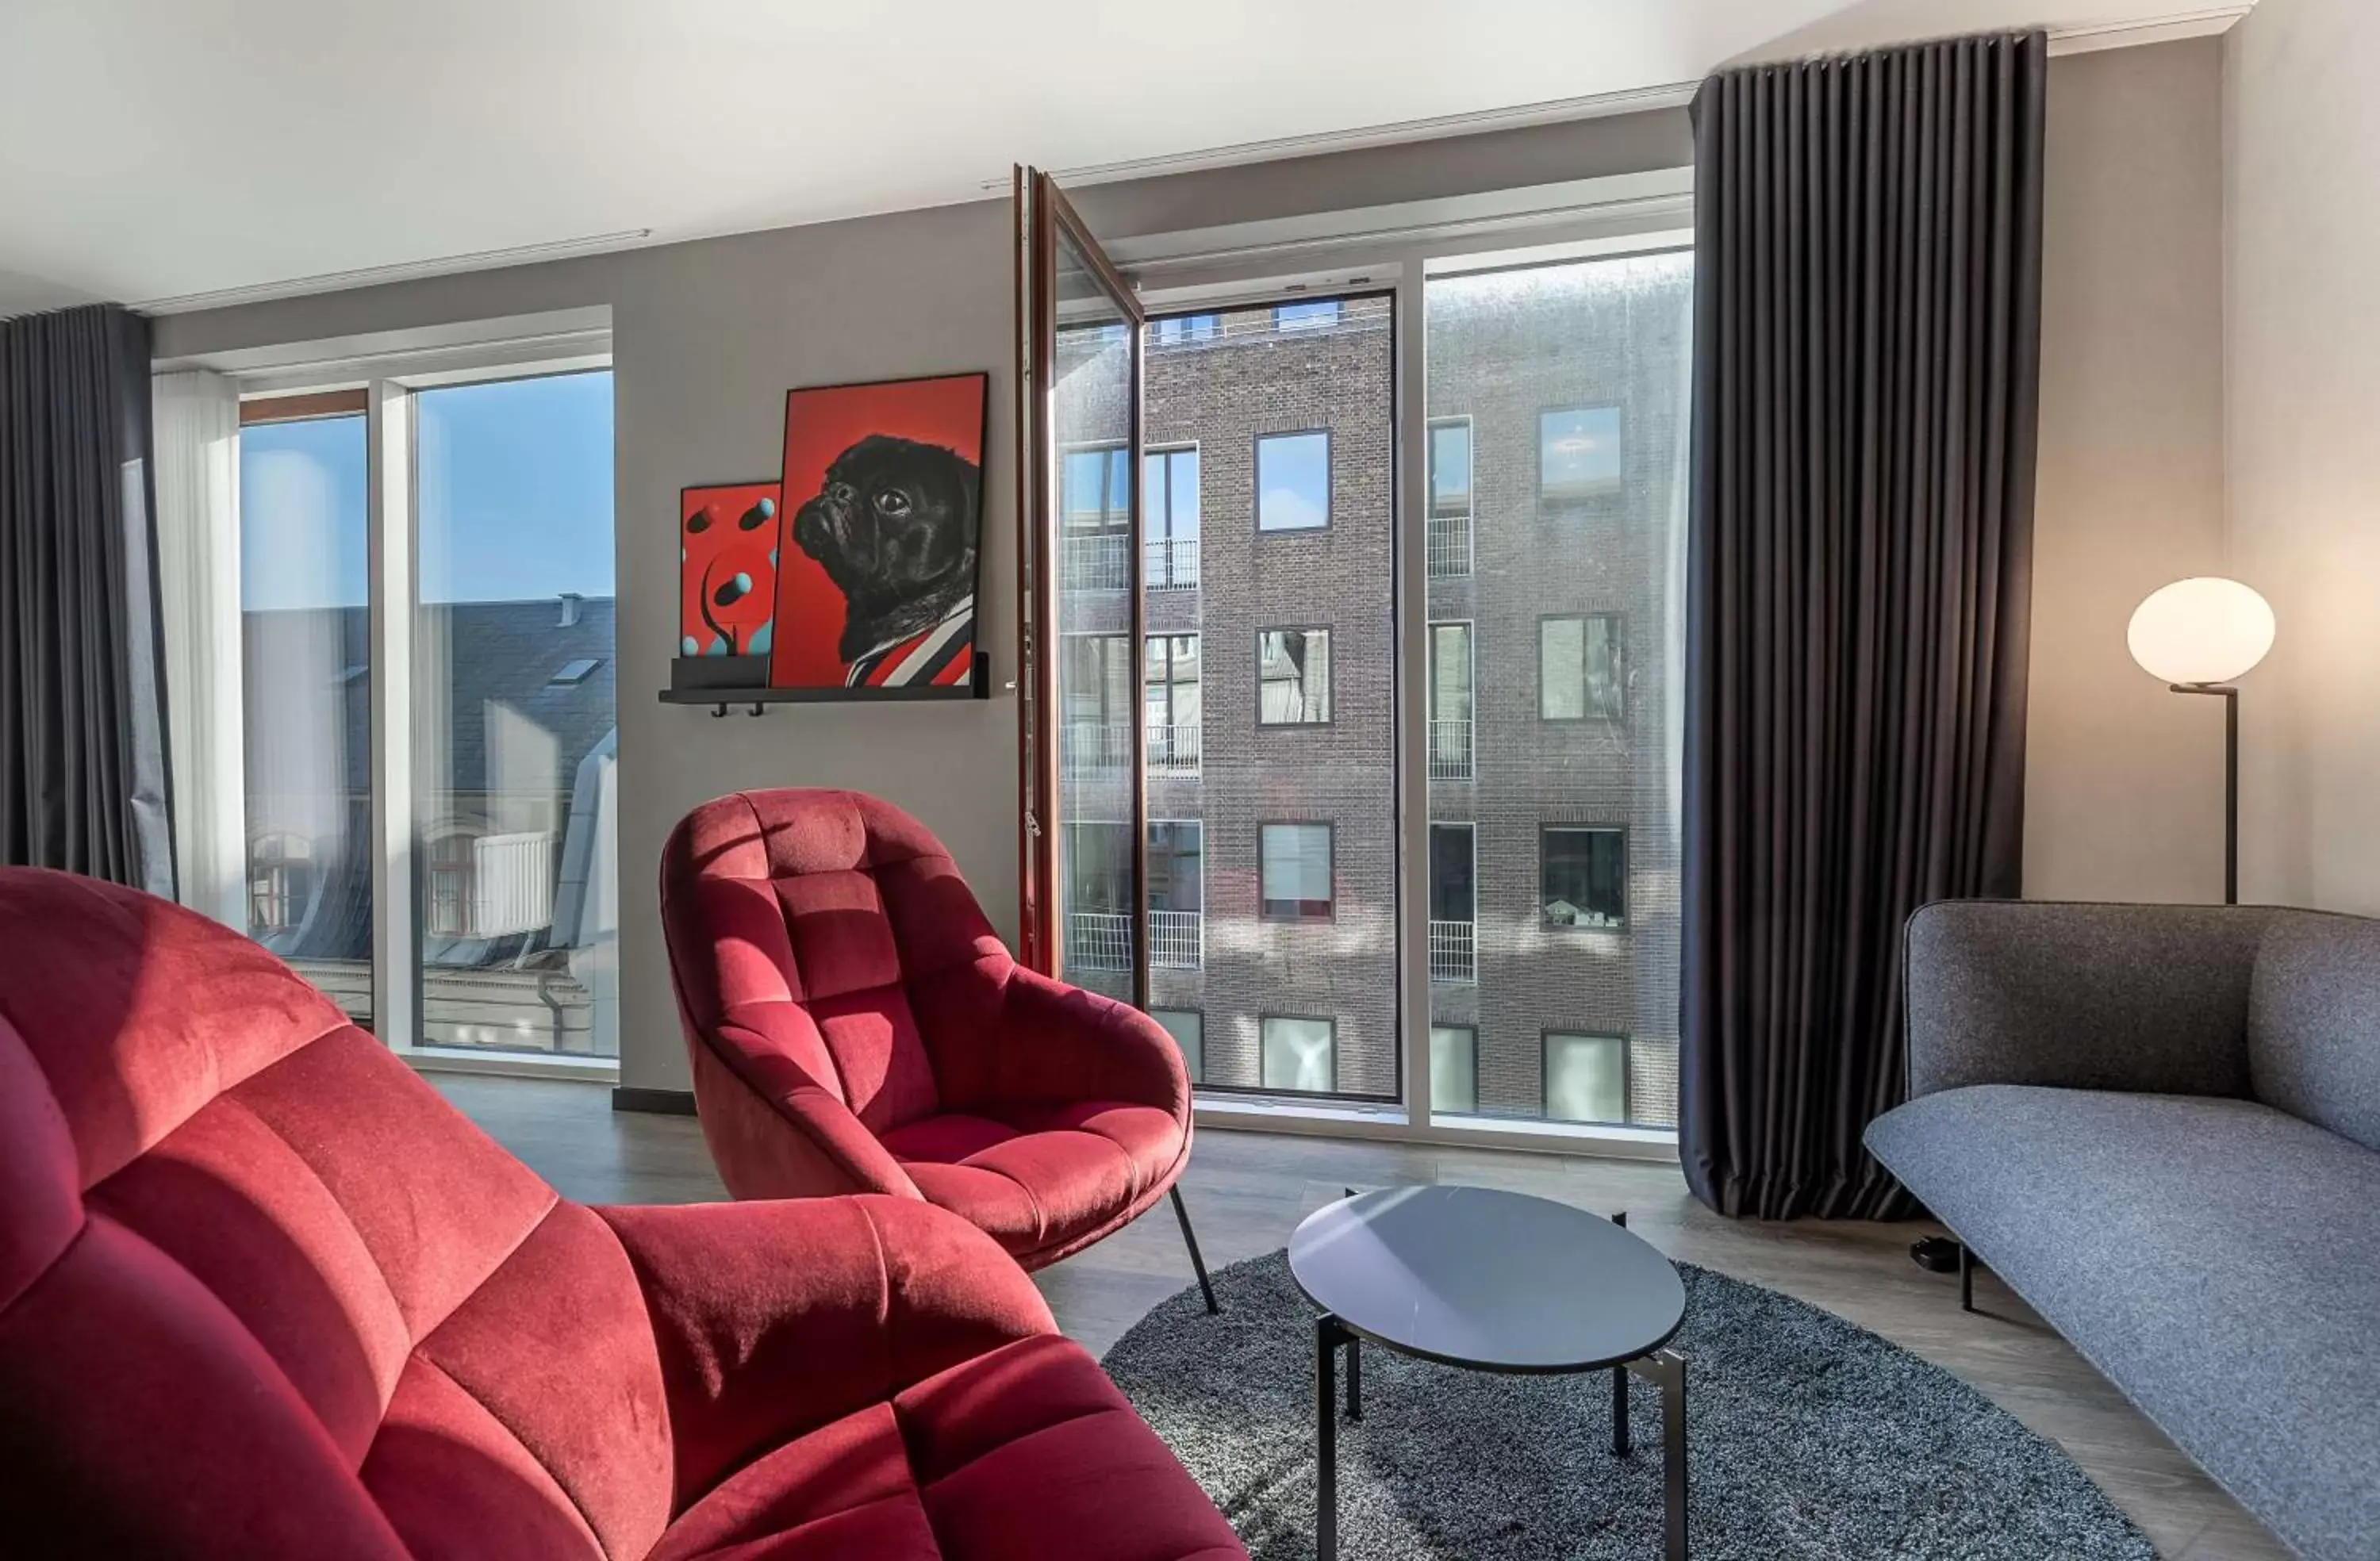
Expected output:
(2201, 637)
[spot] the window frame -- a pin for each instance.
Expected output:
(1265, 1017)
(1329, 828)
(1585, 498)
(1619, 638)
(1256, 482)
(1547, 827)
(1627, 1076)
(1329, 690)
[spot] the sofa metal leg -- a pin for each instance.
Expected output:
(1966, 1278)
(1190, 1239)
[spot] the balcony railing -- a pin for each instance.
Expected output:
(1174, 750)
(1100, 561)
(1173, 560)
(1449, 750)
(1454, 953)
(1095, 747)
(1449, 545)
(1177, 939)
(1101, 940)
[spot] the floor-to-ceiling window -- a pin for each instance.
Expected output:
(514, 727)
(1558, 418)
(306, 685)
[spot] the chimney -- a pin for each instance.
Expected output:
(571, 601)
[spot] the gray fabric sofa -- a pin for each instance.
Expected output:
(2160, 1125)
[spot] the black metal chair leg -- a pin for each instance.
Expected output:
(1190, 1239)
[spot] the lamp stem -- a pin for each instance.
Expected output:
(2230, 696)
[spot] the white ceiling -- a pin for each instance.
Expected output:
(154, 149)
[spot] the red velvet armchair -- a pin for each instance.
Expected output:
(265, 1296)
(855, 1026)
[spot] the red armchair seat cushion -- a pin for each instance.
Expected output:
(962, 1464)
(1041, 1177)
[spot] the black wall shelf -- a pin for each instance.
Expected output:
(720, 682)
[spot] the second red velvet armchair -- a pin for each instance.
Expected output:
(855, 1026)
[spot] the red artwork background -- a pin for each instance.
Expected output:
(821, 425)
(720, 550)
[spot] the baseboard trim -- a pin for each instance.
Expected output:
(666, 1102)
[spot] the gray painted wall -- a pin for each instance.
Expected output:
(2124, 780)
(2304, 161)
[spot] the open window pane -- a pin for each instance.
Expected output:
(1292, 677)
(1292, 481)
(1300, 1055)
(1571, 382)
(516, 735)
(306, 685)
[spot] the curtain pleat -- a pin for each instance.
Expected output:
(1867, 388)
(82, 720)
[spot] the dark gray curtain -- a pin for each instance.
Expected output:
(82, 718)
(1866, 389)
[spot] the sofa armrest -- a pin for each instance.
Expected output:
(773, 1319)
(2151, 999)
(1061, 1042)
(794, 1138)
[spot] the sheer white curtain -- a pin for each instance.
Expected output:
(196, 437)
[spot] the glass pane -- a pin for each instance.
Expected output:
(515, 732)
(306, 685)
(1587, 1078)
(1579, 453)
(1292, 677)
(1450, 467)
(1299, 1055)
(1573, 379)
(1450, 716)
(1102, 676)
(1296, 869)
(1187, 1028)
(1292, 481)
(1454, 1068)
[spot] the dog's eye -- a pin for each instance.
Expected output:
(893, 501)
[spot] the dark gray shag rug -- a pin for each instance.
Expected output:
(1808, 1437)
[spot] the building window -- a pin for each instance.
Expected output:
(1587, 1078)
(1584, 874)
(452, 888)
(1095, 490)
(1170, 704)
(1581, 668)
(1320, 315)
(1453, 905)
(1188, 1028)
(1296, 867)
(1181, 329)
(1299, 1055)
(1292, 677)
(1450, 732)
(1454, 1070)
(1170, 493)
(280, 882)
(1293, 481)
(1177, 896)
(1450, 497)
(1579, 453)
(1095, 702)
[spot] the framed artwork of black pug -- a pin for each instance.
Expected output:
(883, 531)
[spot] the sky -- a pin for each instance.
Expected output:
(513, 494)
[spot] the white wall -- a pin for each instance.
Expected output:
(2302, 218)
(2124, 780)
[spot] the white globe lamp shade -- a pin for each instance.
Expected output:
(2202, 631)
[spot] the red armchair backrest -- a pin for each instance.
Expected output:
(831, 929)
(263, 1294)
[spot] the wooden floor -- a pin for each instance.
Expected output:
(1247, 1191)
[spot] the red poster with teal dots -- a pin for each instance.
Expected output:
(727, 540)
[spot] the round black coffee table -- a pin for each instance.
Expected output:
(1489, 1281)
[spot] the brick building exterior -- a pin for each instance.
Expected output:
(1503, 348)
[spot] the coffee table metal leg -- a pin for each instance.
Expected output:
(1326, 1438)
(1668, 1368)
(1620, 1411)
(1355, 1377)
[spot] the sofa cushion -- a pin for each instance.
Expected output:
(2218, 1260)
(2313, 1021)
(959, 1465)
